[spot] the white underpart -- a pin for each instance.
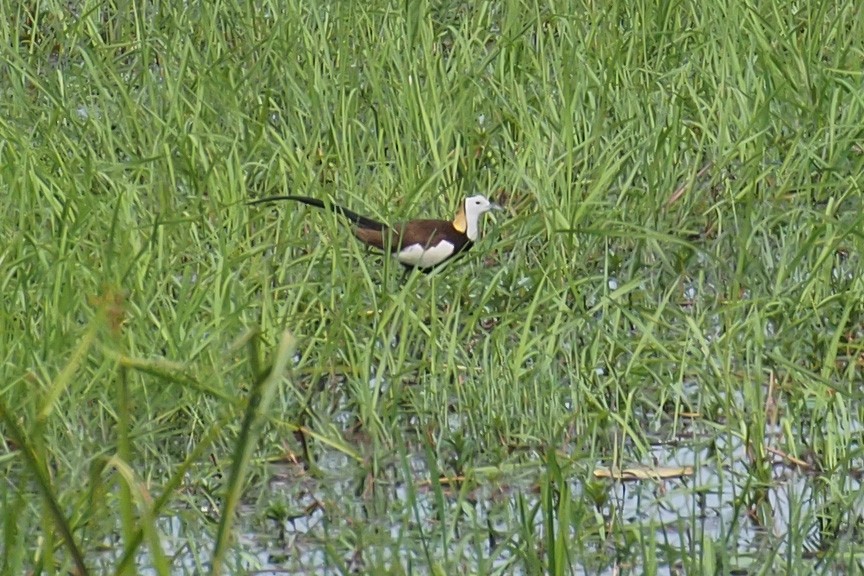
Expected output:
(417, 255)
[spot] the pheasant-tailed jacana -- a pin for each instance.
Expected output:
(421, 244)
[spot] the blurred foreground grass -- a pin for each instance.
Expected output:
(678, 271)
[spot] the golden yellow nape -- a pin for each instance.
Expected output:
(460, 223)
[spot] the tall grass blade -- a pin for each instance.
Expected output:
(257, 411)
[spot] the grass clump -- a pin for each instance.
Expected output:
(676, 284)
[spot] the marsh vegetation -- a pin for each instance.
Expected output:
(650, 362)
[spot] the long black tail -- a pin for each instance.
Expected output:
(357, 219)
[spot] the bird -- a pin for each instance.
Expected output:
(422, 244)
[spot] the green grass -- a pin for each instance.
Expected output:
(676, 281)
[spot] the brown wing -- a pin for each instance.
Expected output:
(377, 237)
(428, 233)
(422, 232)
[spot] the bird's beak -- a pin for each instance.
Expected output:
(496, 207)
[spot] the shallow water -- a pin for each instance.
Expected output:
(379, 529)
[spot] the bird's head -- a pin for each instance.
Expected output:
(477, 205)
(468, 217)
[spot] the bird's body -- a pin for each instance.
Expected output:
(422, 244)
